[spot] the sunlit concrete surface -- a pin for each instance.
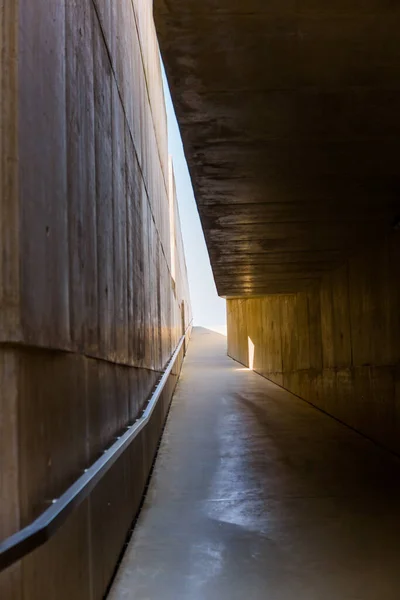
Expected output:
(257, 495)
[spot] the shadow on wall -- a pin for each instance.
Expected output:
(337, 345)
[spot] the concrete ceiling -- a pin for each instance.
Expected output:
(290, 117)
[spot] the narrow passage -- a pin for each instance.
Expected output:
(256, 495)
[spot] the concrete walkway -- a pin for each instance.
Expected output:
(258, 496)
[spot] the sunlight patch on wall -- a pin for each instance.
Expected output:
(251, 352)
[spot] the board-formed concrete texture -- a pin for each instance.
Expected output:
(93, 285)
(258, 495)
(289, 115)
(336, 345)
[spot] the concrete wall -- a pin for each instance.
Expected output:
(89, 311)
(337, 346)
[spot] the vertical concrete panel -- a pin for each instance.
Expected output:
(104, 195)
(153, 293)
(383, 397)
(392, 293)
(314, 323)
(110, 507)
(231, 323)
(120, 229)
(250, 330)
(364, 409)
(341, 329)
(145, 142)
(232, 327)
(163, 309)
(134, 391)
(123, 56)
(121, 398)
(146, 281)
(260, 337)
(10, 586)
(254, 333)
(272, 331)
(137, 87)
(81, 175)
(243, 340)
(342, 404)
(360, 306)
(368, 308)
(9, 195)
(102, 406)
(148, 379)
(105, 13)
(329, 391)
(387, 351)
(141, 279)
(135, 256)
(52, 427)
(136, 476)
(291, 381)
(149, 47)
(304, 384)
(43, 174)
(328, 348)
(396, 374)
(303, 332)
(60, 569)
(10, 583)
(289, 333)
(159, 321)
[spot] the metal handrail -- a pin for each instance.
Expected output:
(47, 524)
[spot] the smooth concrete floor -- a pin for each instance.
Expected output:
(256, 495)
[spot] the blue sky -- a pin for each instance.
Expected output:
(208, 309)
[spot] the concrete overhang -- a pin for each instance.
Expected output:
(289, 112)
